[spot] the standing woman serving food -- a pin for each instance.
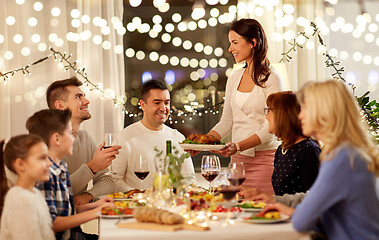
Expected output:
(245, 97)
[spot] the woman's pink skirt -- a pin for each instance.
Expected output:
(258, 169)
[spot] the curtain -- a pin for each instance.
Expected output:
(31, 27)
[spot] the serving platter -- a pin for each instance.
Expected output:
(201, 147)
(114, 216)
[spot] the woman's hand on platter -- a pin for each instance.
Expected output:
(229, 150)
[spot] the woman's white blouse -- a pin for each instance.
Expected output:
(241, 98)
(248, 119)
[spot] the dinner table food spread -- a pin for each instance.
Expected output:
(108, 230)
(197, 215)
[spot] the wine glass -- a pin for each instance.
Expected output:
(110, 140)
(141, 167)
(236, 174)
(210, 168)
(228, 193)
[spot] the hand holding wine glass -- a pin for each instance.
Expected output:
(210, 168)
(141, 168)
(110, 140)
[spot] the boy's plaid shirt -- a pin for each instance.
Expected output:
(59, 197)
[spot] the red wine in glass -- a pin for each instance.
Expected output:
(141, 167)
(236, 181)
(110, 139)
(210, 168)
(236, 173)
(229, 193)
(141, 175)
(210, 176)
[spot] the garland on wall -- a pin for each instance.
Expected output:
(369, 108)
(63, 58)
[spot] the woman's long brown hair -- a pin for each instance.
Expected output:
(251, 29)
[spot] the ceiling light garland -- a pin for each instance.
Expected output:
(173, 39)
(193, 62)
(175, 113)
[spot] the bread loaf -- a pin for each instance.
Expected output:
(150, 214)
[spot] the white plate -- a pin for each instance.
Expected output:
(115, 216)
(201, 147)
(252, 209)
(116, 199)
(220, 215)
(281, 219)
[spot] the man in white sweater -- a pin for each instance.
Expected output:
(141, 137)
(88, 162)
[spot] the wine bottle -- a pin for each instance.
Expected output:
(168, 147)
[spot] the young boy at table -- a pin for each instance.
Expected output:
(55, 128)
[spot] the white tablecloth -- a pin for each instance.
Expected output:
(239, 231)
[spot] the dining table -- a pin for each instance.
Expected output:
(241, 230)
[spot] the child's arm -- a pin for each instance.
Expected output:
(64, 223)
(88, 206)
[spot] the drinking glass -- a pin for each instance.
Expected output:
(110, 140)
(141, 167)
(210, 168)
(228, 193)
(236, 173)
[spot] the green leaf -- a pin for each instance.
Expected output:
(364, 101)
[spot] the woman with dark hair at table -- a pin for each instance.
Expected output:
(343, 197)
(296, 159)
(245, 98)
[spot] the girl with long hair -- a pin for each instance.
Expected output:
(25, 214)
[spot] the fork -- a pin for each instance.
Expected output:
(119, 220)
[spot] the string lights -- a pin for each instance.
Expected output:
(283, 18)
(177, 115)
(24, 70)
